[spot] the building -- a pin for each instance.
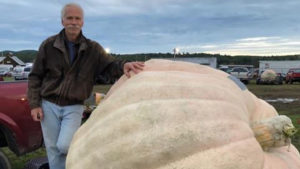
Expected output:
(249, 67)
(280, 66)
(209, 61)
(11, 60)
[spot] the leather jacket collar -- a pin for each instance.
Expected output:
(60, 41)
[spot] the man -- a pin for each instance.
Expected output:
(62, 78)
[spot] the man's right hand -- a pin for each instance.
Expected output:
(37, 114)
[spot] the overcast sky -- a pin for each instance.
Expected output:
(255, 27)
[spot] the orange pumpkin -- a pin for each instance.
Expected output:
(178, 115)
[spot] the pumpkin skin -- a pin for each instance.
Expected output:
(177, 115)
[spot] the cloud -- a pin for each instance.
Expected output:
(131, 26)
(15, 3)
(129, 7)
(208, 46)
(10, 41)
(5, 26)
(262, 46)
(16, 44)
(256, 39)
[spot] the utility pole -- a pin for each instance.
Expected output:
(3, 59)
(175, 50)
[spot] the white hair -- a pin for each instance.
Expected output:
(63, 11)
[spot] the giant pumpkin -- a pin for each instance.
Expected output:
(178, 115)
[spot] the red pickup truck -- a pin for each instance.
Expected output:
(293, 75)
(17, 129)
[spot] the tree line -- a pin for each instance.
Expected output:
(29, 56)
(221, 59)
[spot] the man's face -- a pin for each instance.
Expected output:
(73, 21)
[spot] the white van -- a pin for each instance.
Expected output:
(21, 72)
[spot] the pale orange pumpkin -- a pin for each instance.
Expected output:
(178, 115)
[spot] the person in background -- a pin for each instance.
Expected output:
(61, 79)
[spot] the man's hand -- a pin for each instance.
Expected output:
(37, 114)
(136, 67)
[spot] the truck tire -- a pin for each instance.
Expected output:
(37, 163)
(278, 80)
(4, 162)
(258, 81)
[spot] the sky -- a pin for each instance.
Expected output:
(227, 27)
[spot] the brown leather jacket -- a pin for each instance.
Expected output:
(53, 78)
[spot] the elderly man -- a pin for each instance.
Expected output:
(62, 78)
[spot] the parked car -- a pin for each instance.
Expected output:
(18, 131)
(293, 75)
(21, 72)
(241, 73)
(5, 70)
(225, 69)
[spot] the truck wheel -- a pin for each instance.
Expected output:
(4, 162)
(257, 81)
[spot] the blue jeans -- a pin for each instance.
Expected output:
(58, 126)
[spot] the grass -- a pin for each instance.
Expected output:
(275, 91)
(8, 78)
(101, 88)
(262, 91)
(292, 110)
(19, 162)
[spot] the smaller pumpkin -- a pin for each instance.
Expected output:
(268, 75)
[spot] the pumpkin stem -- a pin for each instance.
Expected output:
(274, 132)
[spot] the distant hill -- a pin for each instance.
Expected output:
(24, 55)
(29, 56)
